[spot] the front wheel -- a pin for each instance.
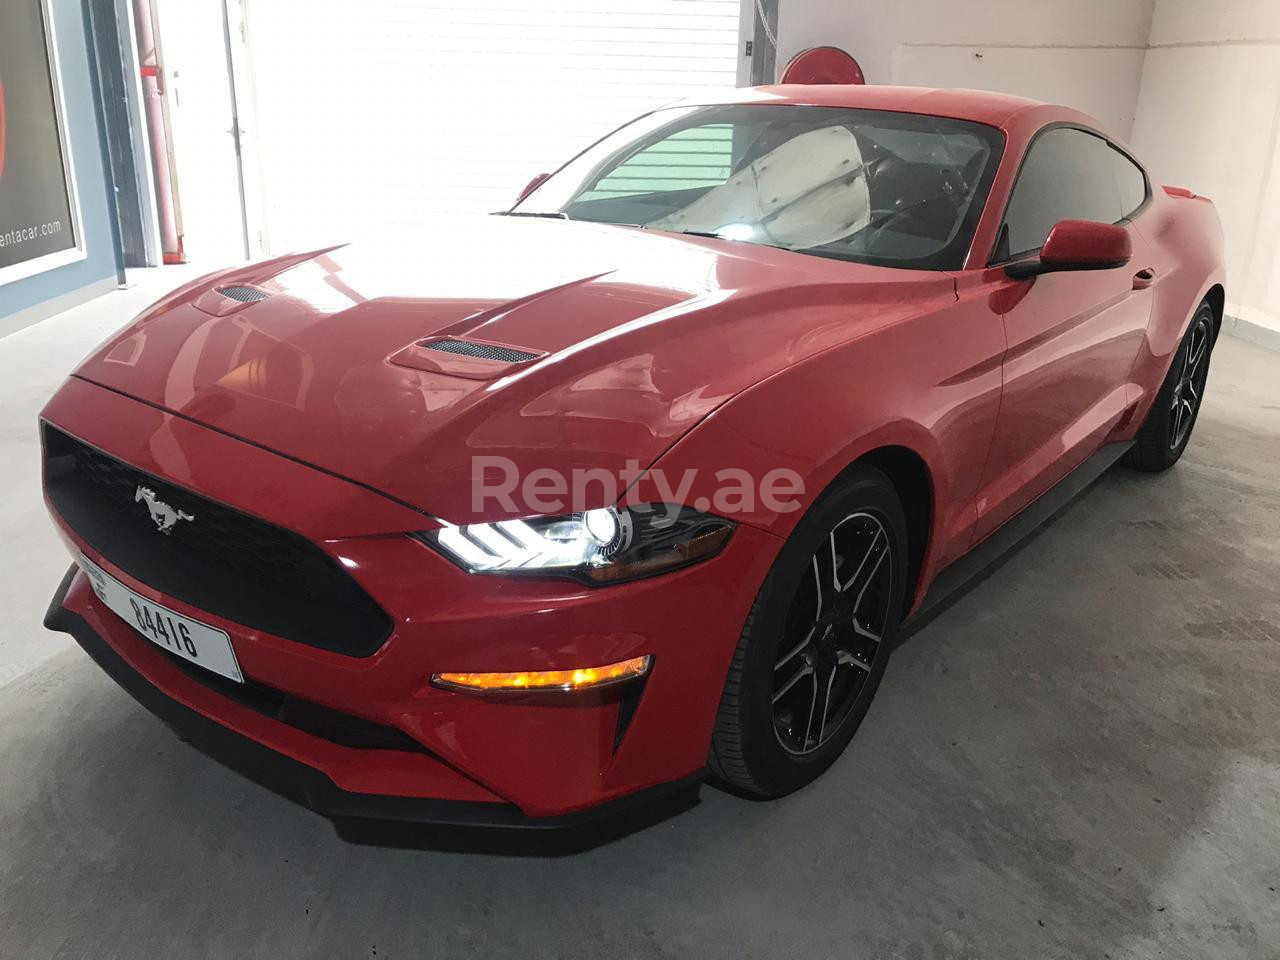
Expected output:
(816, 641)
(1167, 430)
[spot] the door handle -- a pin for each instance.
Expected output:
(1144, 278)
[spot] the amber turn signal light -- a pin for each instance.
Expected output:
(581, 678)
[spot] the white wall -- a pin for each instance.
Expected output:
(359, 119)
(1087, 54)
(386, 114)
(1208, 118)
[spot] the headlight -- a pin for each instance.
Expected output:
(600, 546)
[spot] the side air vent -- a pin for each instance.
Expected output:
(243, 294)
(484, 351)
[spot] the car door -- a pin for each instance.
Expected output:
(1072, 337)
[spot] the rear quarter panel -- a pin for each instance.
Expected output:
(1185, 236)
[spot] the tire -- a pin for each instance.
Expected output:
(1172, 418)
(757, 747)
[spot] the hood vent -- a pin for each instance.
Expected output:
(243, 294)
(482, 351)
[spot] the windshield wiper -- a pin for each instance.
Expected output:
(688, 233)
(715, 236)
(532, 213)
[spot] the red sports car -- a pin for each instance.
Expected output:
(544, 513)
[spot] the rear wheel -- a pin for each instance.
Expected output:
(1167, 430)
(816, 642)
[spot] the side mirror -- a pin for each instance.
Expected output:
(532, 185)
(1077, 245)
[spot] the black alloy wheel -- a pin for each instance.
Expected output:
(816, 642)
(1188, 390)
(836, 626)
(1174, 412)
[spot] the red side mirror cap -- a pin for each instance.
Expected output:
(1078, 245)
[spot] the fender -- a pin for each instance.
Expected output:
(883, 390)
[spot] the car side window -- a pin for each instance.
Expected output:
(1068, 174)
(1131, 181)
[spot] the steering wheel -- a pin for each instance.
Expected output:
(951, 185)
(892, 221)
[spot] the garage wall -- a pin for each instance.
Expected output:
(1208, 118)
(1087, 54)
(388, 114)
(31, 299)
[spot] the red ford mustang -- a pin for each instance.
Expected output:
(553, 511)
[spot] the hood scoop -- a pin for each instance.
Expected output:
(222, 301)
(484, 351)
(243, 294)
(472, 359)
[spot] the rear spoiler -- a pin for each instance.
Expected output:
(1184, 193)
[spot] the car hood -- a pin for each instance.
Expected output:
(624, 340)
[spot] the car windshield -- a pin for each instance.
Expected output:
(894, 189)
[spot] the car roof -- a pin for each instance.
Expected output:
(981, 106)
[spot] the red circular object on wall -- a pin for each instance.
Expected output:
(822, 65)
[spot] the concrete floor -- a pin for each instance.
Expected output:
(1081, 758)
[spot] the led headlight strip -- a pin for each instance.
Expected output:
(605, 545)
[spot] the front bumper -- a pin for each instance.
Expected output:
(308, 785)
(540, 761)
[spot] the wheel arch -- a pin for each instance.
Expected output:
(909, 473)
(1217, 297)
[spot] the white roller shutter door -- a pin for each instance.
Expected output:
(379, 115)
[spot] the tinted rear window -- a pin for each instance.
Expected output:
(1131, 181)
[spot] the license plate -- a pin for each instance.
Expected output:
(190, 639)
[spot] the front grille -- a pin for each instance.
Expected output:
(344, 729)
(243, 294)
(485, 351)
(221, 560)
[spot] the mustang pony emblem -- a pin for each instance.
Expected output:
(164, 515)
